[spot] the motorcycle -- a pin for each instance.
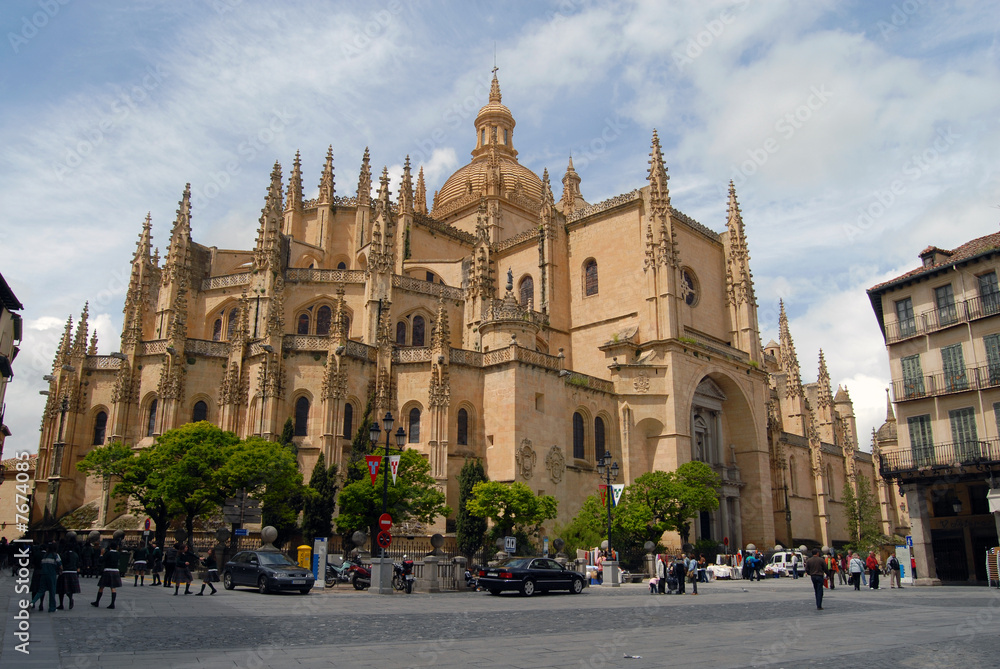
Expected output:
(335, 574)
(471, 578)
(402, 575)
(361, 577)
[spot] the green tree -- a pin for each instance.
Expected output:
(470, 530)
(414, 496)
(269, 472)
(864, 520)
(361, 446)
(674, 498)
(587, 529)
(320, 500)
(514, 509)
(288, 436)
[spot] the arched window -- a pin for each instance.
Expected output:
(100, 427)
(830, 487)
(578, 449)
(217, 330)
(234, 316)
(151, 419)
(301, 416)
(323, 317)
(527, 291)
(342, 265)
(303, 327)
(348, 421)
(418, 331)
(598, 437)
(590, 277)
(200, 412)
(400, 333)
(463, 427)
(414, 434)
(482, 137)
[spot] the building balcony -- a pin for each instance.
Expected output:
(979, 454)
(942, 383)
(939, 319)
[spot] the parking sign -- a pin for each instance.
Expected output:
(909, 541)
(510, 544)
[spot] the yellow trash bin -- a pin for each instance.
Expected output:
(305, 557)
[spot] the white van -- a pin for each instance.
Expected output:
(784, 559)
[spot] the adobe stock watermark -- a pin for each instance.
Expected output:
(901, 14)
(585, 154)
(706, 37)
(376, 26)
(786, 126)
(247, 150)
(121, 108)
(30, 26)
(912, 171)
(453, 118)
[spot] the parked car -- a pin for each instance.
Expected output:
(267, 571)
(784, 559)
(530, 575)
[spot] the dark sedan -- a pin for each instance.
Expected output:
(530, 575)
(267, 571)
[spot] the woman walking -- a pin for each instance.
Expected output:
(110, 577)
(49, 568)
(211, 573)
(157, 559)
(139, 561)
(857, 568)
(182, 572)
(69, 580)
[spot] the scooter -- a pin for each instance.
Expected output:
(361, 577)
(335, 574)
(402, 577)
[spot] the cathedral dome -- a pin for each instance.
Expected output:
(494, 170)
(887, 432)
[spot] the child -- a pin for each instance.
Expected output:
(653, 584)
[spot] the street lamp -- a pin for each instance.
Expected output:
(373, 435)
(609, 471)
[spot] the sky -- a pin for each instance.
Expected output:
(856, 133)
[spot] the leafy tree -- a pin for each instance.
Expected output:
(514, 509)
(863, 516)
(587, 529)
(288, 436)
(672, 499)
(414, 496)
(361, 446)
(469, 529)
(320, 500)
(269, 472)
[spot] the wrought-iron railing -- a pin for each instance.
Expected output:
(938, 318)
(955, 454)
(946, 383)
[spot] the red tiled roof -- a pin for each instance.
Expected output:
(966, 251)
(9, 463)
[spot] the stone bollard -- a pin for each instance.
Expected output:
(431, 573)
(459, 566)
(651, 565)
(581, 567)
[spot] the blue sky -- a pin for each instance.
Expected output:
(814, 109)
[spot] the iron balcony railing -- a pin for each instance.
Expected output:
(939, 318)
(946, 383)
(956, 454)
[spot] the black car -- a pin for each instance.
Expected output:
(530, 575)
(267, 571)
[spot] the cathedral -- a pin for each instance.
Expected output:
(492, 321)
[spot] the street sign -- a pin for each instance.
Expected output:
(384, 539)
(146, 524)
(510, 544)
(385, 521)
(725, 540)
(241, 532)
(909, 541)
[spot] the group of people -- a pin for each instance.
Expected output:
(673, 572)
(56, 569)
(753, 566)
(822, 569)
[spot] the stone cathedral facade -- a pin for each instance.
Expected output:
(492, 321)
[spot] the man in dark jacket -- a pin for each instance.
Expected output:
(169, 564)
(816, 570)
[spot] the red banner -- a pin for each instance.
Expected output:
(603, 489)
(373, 464)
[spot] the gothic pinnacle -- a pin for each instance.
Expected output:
(495, 88)
(294, 201)
(326, 183)
(365, 180)
(658, 177)
(420, 199)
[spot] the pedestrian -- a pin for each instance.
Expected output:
(680, 572)
(893, 564)
(692, 569)
(831, 568)
(653, 585)
(842, 568)
(110, 576)
(156, 558)
(169, 563)
(873, 570)
(87, 559)
(857, 568)
(182, 572)
(816, 569)
(49, 568)
(703, 569)
(795, 565)
(212, 573)
(139, 561)
(69, 580)
(661, 574)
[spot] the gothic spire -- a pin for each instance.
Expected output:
(825, 397)
(406, 190)
(495, 88)
(420, 199)
(326, 185)
(65, 346)
(178, 251)
(441, 335)
(82, 332)
(789, 360)
(267, 252)
(92, 349)
(365, 181)
(548, 202)
(739, 278)
(659, 192)
(144, 247)
(294, 200)
(571, 189)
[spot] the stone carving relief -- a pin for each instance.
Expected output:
(526, 458)
(641, 383)
(555, 462)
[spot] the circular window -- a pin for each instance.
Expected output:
(689, 288)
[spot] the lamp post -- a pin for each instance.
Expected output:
(373, 435)
(609, 471)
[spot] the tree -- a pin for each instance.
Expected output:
(470, 530)
(414, 496)
(674, 498)
(863, 516)
(514, 509)
(587, 529)
(269, 472)
(320, 501)
(288, 436)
